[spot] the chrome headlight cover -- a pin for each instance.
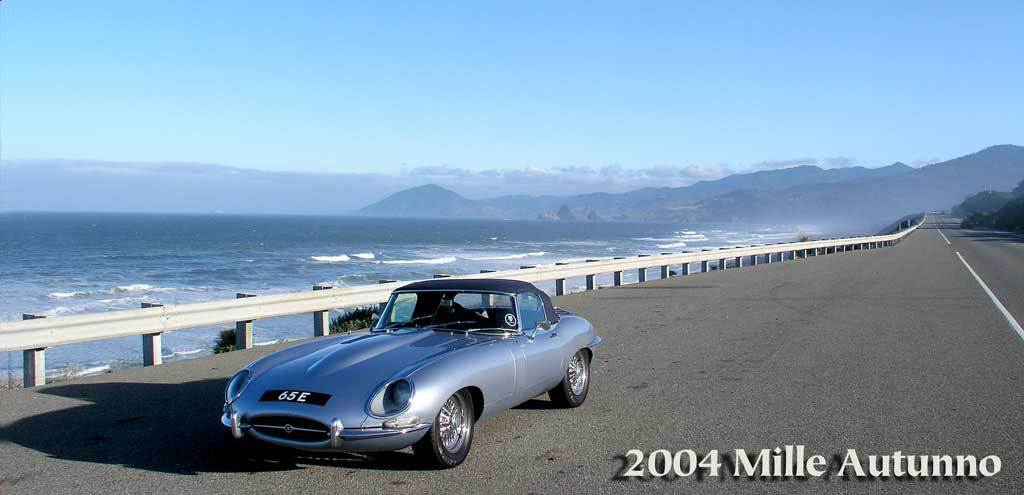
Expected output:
(392, 399)
(236, 385)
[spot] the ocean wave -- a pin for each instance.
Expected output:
(426, 261)
(331, 259)
(364, 256)
(125, 289)
(93, 370)
(672, 245)
(66, 295)
(102, 304)
(183, 353)
(654, 239)
(510, 256)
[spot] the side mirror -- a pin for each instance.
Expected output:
(541, 325)
(374, 318)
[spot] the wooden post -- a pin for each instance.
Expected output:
(152, 348)
(641, 273)
(591, 283)
(243, 329)
(560, 282)
(34, 362)
(321, 319)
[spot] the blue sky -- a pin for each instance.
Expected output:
(692, 89)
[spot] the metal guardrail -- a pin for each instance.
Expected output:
(34, 334)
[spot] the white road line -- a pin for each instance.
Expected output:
(943, 236)
(995, 300)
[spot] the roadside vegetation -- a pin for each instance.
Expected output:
(994, 209)
(353, 320)
(225, 341)
(802, 236)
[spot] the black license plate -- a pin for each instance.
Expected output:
(297, 396)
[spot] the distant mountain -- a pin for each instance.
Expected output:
(644, 204)
(994, 209)
(429, 201)
(835, 199)
(867, 202)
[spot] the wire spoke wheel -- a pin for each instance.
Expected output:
(453, 423)
(577, 374)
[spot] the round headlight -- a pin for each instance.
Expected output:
(396, 397)
(235, 386)
(392, 399)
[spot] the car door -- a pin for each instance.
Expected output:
(543, 354)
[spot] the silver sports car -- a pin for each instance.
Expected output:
(443, 355)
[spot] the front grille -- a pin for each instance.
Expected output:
(291, 428)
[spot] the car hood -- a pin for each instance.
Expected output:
(350, 368)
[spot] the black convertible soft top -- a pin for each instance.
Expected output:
(486, 285)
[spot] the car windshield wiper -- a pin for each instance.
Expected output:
(490, 330)
(445, 324)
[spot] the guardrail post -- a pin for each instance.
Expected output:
(33, 368)
(666, 270)
(739, 262)
(792, 255)
(684, 269)
(704, 266)
(721, 264)
(591, 284)
(617, 275)
(560, 282)
(321, 319)
(152, 347)
(753, 260)
(641, 273)
(243, 329)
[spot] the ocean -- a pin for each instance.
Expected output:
(60, 264)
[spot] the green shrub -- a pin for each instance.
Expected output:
(353, 320)
(225, 341)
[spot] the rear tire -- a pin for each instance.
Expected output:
(572, 392)
(447, 442)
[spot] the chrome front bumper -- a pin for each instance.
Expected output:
(340, 439)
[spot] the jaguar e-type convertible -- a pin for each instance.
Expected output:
(443, 355)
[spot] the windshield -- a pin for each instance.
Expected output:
(450, 310)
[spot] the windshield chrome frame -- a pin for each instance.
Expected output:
(516, 331)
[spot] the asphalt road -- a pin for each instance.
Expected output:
(883, 350)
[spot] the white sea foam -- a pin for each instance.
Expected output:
(510, 256)
(494, 238)
(183, 353)
(331, 259)
(364, 256)
(125, 289)
(426, 261)
(94, 370)
(65, 295)
(672, 245)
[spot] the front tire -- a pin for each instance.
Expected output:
(447, 443)
(575, 384)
